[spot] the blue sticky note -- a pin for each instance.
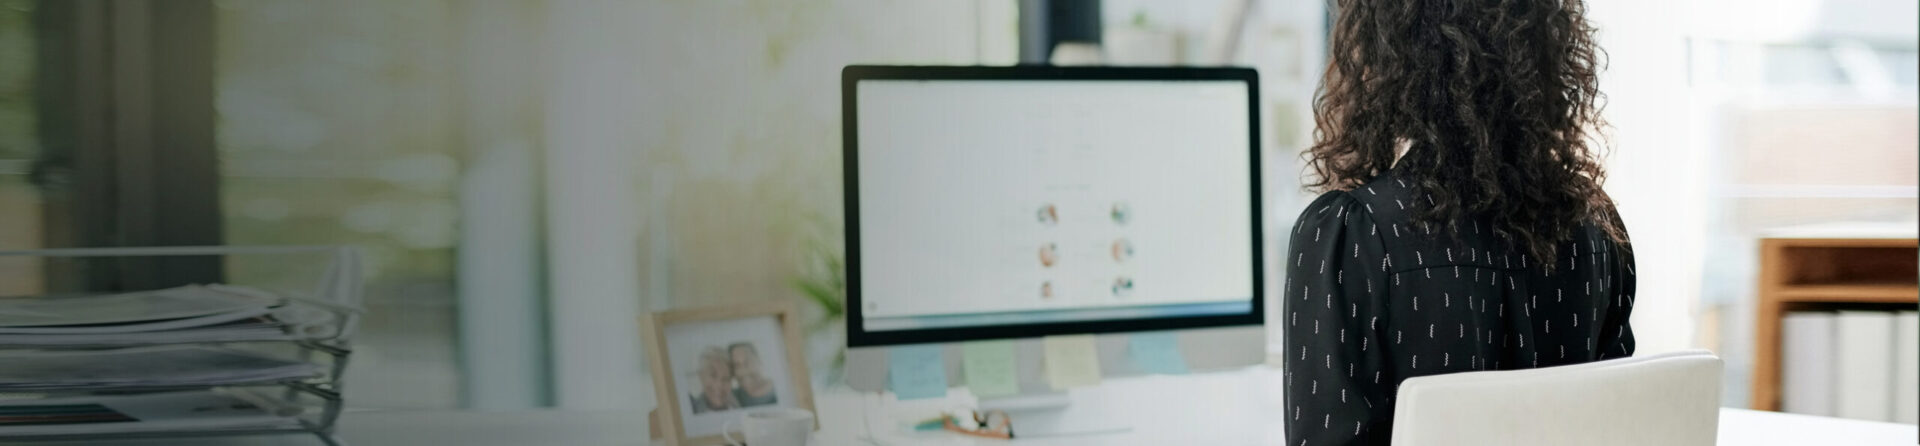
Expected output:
(917, 372)
(1157, 353)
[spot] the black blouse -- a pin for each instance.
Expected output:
(1371, 300)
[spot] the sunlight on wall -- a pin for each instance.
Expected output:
(1653, 173)
(19, 199)
(337, 125)
(741, 131)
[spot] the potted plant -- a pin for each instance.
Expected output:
(822, 284)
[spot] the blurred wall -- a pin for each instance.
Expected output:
(739, 137)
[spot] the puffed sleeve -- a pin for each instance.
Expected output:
(1336, 288)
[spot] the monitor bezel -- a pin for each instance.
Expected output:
(850, 76)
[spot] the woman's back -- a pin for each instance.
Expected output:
(1463, 225)
(1373, 298)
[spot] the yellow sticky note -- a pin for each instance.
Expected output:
(989, 368)
(1071, 361)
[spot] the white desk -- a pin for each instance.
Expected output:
(1245, 408)
(1236, 408)
(1230, 408)
(1743, 427)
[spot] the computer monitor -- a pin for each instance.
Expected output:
(1017, 202)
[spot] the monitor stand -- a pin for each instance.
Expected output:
(1053, 414)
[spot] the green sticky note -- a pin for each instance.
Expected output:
(1156, 353)
(989, 368)
(917, 372)
(1071, 361)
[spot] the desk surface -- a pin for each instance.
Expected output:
(1236, 408)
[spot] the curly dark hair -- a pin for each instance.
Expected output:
(1499, 101)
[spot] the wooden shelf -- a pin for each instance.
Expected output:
(1800, 273)
(1850, 293)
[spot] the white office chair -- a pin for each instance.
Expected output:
(1664, 399)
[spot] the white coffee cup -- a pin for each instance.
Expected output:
(771, 427)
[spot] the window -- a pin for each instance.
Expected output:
(1812, 123)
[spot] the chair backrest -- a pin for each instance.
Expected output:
(1664, 399)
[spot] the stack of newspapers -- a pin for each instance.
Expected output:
(184, 359)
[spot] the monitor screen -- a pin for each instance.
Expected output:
(1050, 203)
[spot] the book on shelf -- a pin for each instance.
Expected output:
(1807, 363)
(1864, 343)
(1906, 367)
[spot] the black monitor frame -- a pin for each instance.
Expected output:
(858, 336)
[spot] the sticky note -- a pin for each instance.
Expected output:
(1071, 361)
(917, 372)
(989, 368)
(1156, 353)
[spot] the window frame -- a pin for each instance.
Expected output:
(125, 121)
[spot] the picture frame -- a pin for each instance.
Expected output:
(715, 364)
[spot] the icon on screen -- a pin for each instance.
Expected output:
(1049, 254)
(1046, 290)
(1122, 250)
(1122, 286)
(1048, 215)
(1121, 213)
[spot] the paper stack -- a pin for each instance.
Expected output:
(169, 366)
(57, 380)
(154, 412)
(102, 362)
(194, 313)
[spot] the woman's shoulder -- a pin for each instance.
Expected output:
(1330, 205)
(1333, 210)
(1327, 200)
(1373, 200)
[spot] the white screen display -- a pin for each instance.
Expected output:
(984, 197)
